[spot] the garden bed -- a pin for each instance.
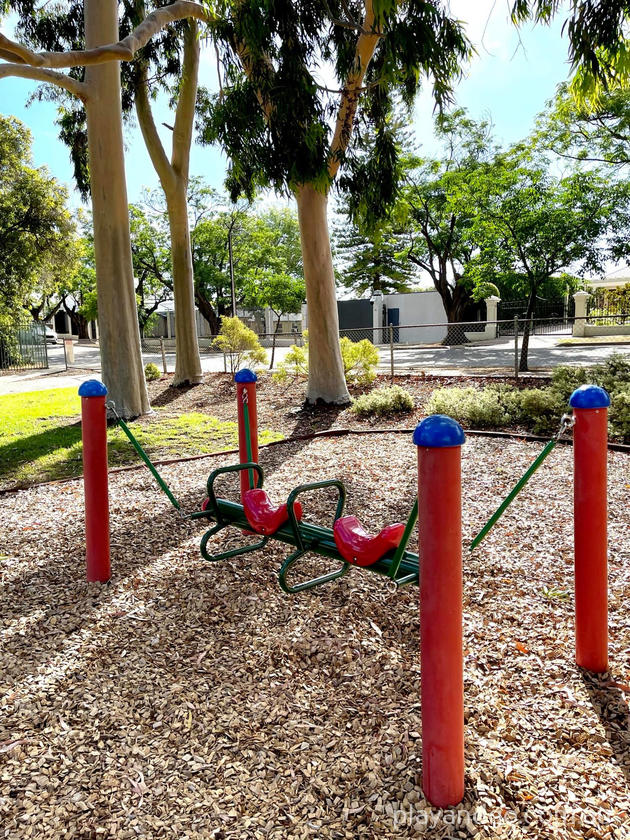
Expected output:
(198, 701)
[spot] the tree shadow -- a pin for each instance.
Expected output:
(31, 448)
(171, 394)
(611, 707)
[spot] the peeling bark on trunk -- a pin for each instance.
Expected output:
(188, 363)
(326, 380)
(121, 356)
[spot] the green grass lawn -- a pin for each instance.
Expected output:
(40, 437)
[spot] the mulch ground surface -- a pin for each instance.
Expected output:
(194, 700)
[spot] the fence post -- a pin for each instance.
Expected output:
(94, 435)
(163, 355)
(439, 440)
(590, 453)
(247, 425)
(516, 346)
(391, 352)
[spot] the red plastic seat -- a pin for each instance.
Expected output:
(262, 515)
(360, 548)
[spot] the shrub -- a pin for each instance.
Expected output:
(565, 379)
(294, 364)
(542, 408)
(239, 343)
(360, 359)
(613, 374)
(620, 413)
(151, 372)
(469, 406)
(382, 402)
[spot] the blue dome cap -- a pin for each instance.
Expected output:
(589, 396)
(438, 430)
(92, 388)
(245, 375)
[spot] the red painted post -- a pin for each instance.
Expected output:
(247, 424)
(94, 434)
(439, 440)
(590, 510)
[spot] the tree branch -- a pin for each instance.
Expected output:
(150, 134)
(185, 113)
(40, 74)
(123, 50)
(366, 44)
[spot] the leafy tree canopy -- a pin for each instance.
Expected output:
(37, 241)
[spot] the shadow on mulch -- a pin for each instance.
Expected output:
(171, 394)
(611, 707)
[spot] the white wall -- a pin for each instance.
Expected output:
(419, 308)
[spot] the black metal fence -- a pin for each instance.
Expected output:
(550, 316)
(23, 347)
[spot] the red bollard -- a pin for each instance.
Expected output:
(94, 434)
(439, 440)
(247, 425)
(590, 454)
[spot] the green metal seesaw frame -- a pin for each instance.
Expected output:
(400, 565)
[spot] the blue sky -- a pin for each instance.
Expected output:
(510, 79)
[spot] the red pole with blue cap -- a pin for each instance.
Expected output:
(590, 515)
(247, 425)
(95, 483)
(439, 440)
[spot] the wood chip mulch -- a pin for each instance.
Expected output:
(192, 700)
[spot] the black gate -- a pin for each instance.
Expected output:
(550, 316)
(23, 347)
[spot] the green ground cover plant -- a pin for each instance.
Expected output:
(40, 437)
(539, 409)
(383, 402)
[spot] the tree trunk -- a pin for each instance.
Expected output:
(273, 341)
(79, 324)
(188, 363)
(121, 356)
(326, 380)
(207, 311)
(531, 305)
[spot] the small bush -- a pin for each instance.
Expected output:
(565, 379)
(294, 364)
(469, 406)
(620, 414)
(360, 359)
(542, 408)
(613, 374)
(240, 344)
(151, 372)
(382, 402)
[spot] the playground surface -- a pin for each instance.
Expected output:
(195, 700)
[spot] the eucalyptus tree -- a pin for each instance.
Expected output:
(169, 63)
(284, 125)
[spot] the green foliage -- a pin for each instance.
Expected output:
(620, 412)
(469, 406)
(294, 364)
(151, 372)
(37, 234)
(539, 409)
(360, 359)
(485, 289)
(240, 344)
(288, 142)
(383, 402)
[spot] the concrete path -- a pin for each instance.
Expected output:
(545, 353)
